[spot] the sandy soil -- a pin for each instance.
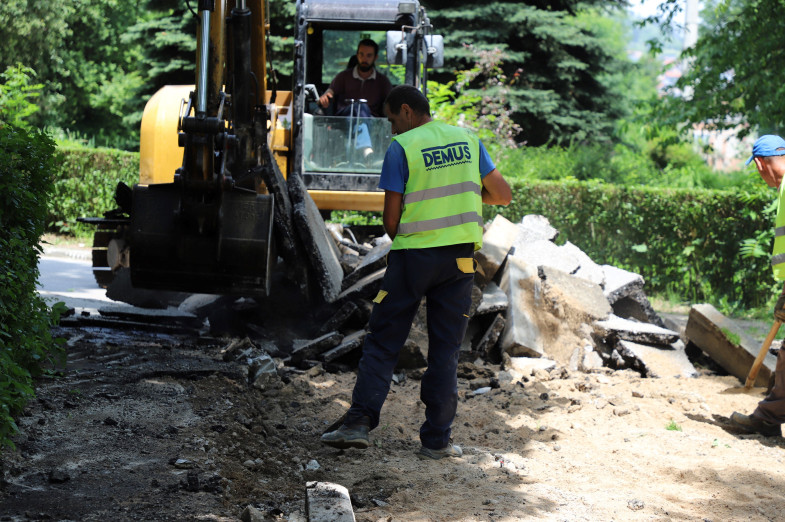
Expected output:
(146, 426)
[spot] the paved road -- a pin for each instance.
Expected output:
(68, 277)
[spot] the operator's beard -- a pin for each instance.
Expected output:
(365, 68)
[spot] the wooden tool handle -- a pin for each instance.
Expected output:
(762, 354)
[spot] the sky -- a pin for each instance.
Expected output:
(646, 7)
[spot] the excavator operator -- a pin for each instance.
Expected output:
(361, 82)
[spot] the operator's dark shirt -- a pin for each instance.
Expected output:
(348, 85)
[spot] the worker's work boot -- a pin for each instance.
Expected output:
(450, 450)
(752, 424)
(349, 436)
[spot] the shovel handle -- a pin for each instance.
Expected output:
(762, 354)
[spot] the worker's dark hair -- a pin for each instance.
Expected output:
(409, 95)
(367, 42)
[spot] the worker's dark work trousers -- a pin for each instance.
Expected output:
(412, 274)
(772, 408)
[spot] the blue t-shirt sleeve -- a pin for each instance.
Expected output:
(486, 163)
(395, 169)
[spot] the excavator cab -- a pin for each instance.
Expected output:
(340, 158)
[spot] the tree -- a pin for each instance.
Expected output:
(554, 52)
(735, 74)
(17, 95)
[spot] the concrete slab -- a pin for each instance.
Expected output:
(493, 300)
(496, 243)
(522, 284)
(322, 253)
(536, 226)
(315, 347)
(327, 502)
(339, 318)
(170, 315)
(659, 361)
(375, 260)
(637, 306)
(587, 268)
(620, 283)
(365, 288)
(636, 331)
(200, 304)
(544, 253)
(490, 337)
(575, 294)
(527, 365)
(727, 344)
(351, 342)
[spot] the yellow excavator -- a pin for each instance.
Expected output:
(235, 174)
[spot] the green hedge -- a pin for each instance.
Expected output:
(685, 243)
(84, 185)
(26, 344)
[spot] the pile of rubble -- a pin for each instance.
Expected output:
(536, 305)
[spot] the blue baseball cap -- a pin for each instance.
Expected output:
(767, 145)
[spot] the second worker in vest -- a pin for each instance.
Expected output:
(768, 153)
(435, 179)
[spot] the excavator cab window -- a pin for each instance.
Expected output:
(353, 143)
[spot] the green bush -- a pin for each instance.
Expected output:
(84, 185)
(26, 344)
(623, 165)
(702, 245)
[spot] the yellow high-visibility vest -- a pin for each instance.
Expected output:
(442, 200)
(778, 252)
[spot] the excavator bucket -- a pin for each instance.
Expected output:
(187, 244)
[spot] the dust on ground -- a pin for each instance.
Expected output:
(145, 426)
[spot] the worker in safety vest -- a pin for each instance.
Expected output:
(436, 178)
(768, 153)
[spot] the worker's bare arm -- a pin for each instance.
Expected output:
(495, 189)
(392, 212)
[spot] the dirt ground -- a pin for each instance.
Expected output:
(146, 426)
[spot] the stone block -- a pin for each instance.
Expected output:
(327, 502)
(727, 343)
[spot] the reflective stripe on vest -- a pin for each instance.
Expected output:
(440, 192)
(437, 223)
(442, 200)
(778, 252)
